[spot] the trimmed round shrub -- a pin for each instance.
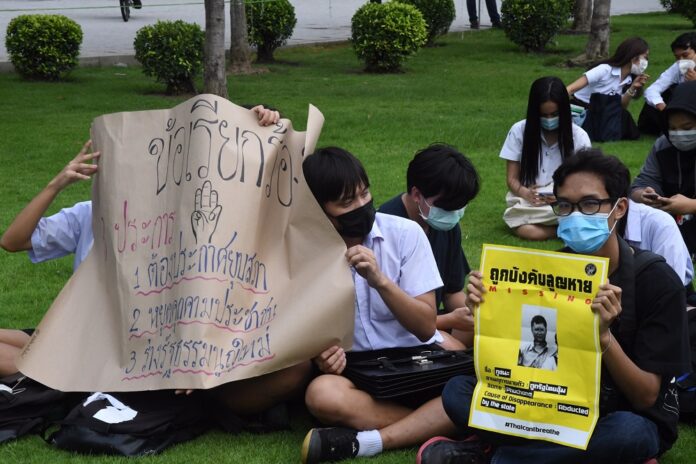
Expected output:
(385, 34)
(172, 53)
(532, 23)
(438, 15)
(269, 25)
(43, 46)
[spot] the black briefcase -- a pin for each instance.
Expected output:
(401, 371)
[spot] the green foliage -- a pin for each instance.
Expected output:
(269, 25)
(686, 8)
(532, 23)
(172, 53)
(43, 46)
(671, 6)
(438, 15)
(385, 34)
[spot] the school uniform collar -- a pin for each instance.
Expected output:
(634, 232)
(375, 233)
(616, 71)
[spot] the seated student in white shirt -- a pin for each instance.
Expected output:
(658, 94)
(68, 231)
(533, 149)
(654, 230)
(395, 277)
(622, 74)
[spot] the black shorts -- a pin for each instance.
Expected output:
(29, 332)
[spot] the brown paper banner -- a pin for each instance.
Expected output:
(211, 262)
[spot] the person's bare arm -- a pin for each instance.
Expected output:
(458, 316)
(515, 186)
(17, 237)
(580, 83)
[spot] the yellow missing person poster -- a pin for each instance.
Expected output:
(537, 351)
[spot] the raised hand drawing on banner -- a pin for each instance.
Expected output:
(206, 213)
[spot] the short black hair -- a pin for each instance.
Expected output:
(684, 41)
(538, 319)
(610, 169)
(333, 173)
(440, 169)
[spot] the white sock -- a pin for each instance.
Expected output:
(370, 442)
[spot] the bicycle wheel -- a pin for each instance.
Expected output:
(125, 9)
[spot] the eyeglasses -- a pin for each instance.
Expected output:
(587, 206)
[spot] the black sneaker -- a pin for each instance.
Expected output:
(329, 445)
(441, 450)
(497, 25)
(474, 24)
(137, 4)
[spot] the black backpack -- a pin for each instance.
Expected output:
(162, 419)
(27, 407)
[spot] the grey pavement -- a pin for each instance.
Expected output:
(106, 35)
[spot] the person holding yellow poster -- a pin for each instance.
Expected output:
(640, 329)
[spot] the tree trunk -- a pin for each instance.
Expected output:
(240, 55)
(214, 74)
(264, 53)
(598, 42)
(582, 14)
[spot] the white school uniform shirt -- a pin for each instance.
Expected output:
(68, 231)
(604, 79)
(670, 76)
(404, 256)
(550, 155)
(654, 230)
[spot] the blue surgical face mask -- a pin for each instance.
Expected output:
(585, 233)
(441, 219)
(549, 124)
(683, 140)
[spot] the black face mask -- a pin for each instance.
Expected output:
(357, 223)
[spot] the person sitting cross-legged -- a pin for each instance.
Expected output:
(395, 279)
(638, 405)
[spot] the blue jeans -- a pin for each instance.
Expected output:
(490, 6)
(619, 437)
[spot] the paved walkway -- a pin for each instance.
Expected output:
(105, 33)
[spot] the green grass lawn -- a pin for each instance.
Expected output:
(467, 91)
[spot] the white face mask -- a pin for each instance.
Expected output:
(683, 140)
(685, 66)
(640, 67)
